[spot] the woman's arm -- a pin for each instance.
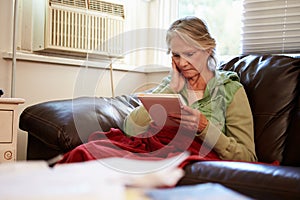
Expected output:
(139, 120)
(238, 141)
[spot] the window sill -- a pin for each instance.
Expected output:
(103, 64)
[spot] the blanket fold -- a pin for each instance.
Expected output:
(155, 144)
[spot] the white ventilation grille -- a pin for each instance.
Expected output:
(84, 26)
(97, 5)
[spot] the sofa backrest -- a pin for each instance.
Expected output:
(272, 85)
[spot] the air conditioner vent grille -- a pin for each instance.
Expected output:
(72, 29)
(96, 5)
(106, 7)
(75, 3)
(83, 32)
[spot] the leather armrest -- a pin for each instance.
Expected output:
(260, 181)
(64, 124)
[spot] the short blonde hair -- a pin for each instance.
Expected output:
(195, 32)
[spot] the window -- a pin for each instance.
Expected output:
(271, 26)
(223, 18)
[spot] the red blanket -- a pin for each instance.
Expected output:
(152, 145)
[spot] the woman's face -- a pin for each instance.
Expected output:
(190, 61)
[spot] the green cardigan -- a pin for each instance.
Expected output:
(226, 107)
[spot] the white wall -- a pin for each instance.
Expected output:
(6, 21)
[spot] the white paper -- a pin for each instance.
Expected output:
(72, 181)
(98, 179)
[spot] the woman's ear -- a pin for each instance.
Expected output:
(209, 51)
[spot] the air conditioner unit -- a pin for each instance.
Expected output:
(79, 27)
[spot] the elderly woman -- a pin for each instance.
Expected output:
(216, 123)
(217, 111)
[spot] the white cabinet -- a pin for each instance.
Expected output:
(9, 122)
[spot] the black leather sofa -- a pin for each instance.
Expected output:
(272, 85)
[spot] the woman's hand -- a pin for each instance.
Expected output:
(177, 80)
(191, 119)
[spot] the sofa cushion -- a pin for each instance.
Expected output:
(291, 153)
(259, 181)
(272, 85)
